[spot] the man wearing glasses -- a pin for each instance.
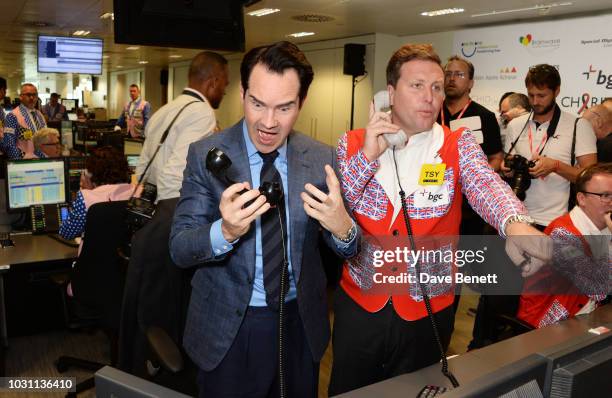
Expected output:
(578, 277)
(21, 124)
(47, 143)
(546, 136)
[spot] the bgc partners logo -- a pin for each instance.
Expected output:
(470, 48)
(600, 78)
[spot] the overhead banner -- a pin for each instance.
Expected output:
(580, 48)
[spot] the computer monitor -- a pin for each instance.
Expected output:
(72, 117)
(35, 182)
(70, 104)
(581, 367)
(132, 161)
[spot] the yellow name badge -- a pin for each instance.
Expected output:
(432, 174)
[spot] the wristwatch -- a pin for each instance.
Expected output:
(349, 235)
(518, 218)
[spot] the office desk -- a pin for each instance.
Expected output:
(28, 249)
(469, 366)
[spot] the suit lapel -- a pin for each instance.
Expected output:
(298, 171)
(240, 170)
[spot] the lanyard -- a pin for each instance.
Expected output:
(460, 114)
(543, 142)
(33, 120)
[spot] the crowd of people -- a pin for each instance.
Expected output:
(448, 177)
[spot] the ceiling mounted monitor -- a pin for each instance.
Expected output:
(201, 24)
(60, 54)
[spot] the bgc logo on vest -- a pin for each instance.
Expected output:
(600, 78)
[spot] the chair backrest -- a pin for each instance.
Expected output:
(98, 277)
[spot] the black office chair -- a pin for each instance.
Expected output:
(154, 309)
(98, 278)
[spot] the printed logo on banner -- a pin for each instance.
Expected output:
(581, 102)
(603, 42)
(600, 78)
(470, 48)
(505, 73)
(528, 41)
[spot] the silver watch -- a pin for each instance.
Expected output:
(350, 235)
(518, 218)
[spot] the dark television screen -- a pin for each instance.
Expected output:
(202, 24)
(59, 54)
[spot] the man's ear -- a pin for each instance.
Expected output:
(242, 92)
(557, 90)
(580, 197)
(391, 91)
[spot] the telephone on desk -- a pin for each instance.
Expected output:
(47, 219)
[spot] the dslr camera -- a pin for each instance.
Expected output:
(140, 210)
(521, 179)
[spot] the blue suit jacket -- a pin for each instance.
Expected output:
(222, 286)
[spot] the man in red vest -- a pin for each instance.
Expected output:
(381, 331)
(579, 276)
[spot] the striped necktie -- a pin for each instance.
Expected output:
(273, 236)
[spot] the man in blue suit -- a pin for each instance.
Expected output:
(232, 325)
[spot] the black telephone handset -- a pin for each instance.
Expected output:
(47, 218)
(218, 163)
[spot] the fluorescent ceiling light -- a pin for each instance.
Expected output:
(132, 48)
(119, 66)
(444, 11)
(81, 33)
(301, 34)
(263, 11)
(106, 56)
(175, 56)
(143, 62)
(107, 15)
(542, 7)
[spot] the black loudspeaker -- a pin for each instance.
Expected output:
(354, 59)
(163, 77)
(95, 80)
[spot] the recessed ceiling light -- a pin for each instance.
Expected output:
(107, 15)
(175, 56)
(301, 34)
(81, 33)
(143, 62)
(132, 48)
(444, 11)
(263, 11)
(119, 66)
(542, 7)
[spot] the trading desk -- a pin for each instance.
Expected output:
(28, 249)
(469, 366)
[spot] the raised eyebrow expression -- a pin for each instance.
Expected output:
(280, 106)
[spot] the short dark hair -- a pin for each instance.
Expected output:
(277, 58)
(407, 53)
(2, 83)
(203, 66)
(469, 65)
(587, 174)
(55, 95)
(543, 75)
(519, 99)
(108, 165)
(134, 85)
(503, 97)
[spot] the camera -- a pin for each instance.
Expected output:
(521, 179)
(140, 210)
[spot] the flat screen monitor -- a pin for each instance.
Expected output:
(73, 117)
(35, 182)
(132, 161)
(59, 54)
(581, 367)
(75, 166)
(70, 104)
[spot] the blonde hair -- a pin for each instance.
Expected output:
(42, 136)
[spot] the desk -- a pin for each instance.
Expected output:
(28, 249)
(469, 366)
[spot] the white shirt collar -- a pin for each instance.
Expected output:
(583, 223)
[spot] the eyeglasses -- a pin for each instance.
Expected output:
(458, 74)
(52, 144)
(605, 197)
(31, 95)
